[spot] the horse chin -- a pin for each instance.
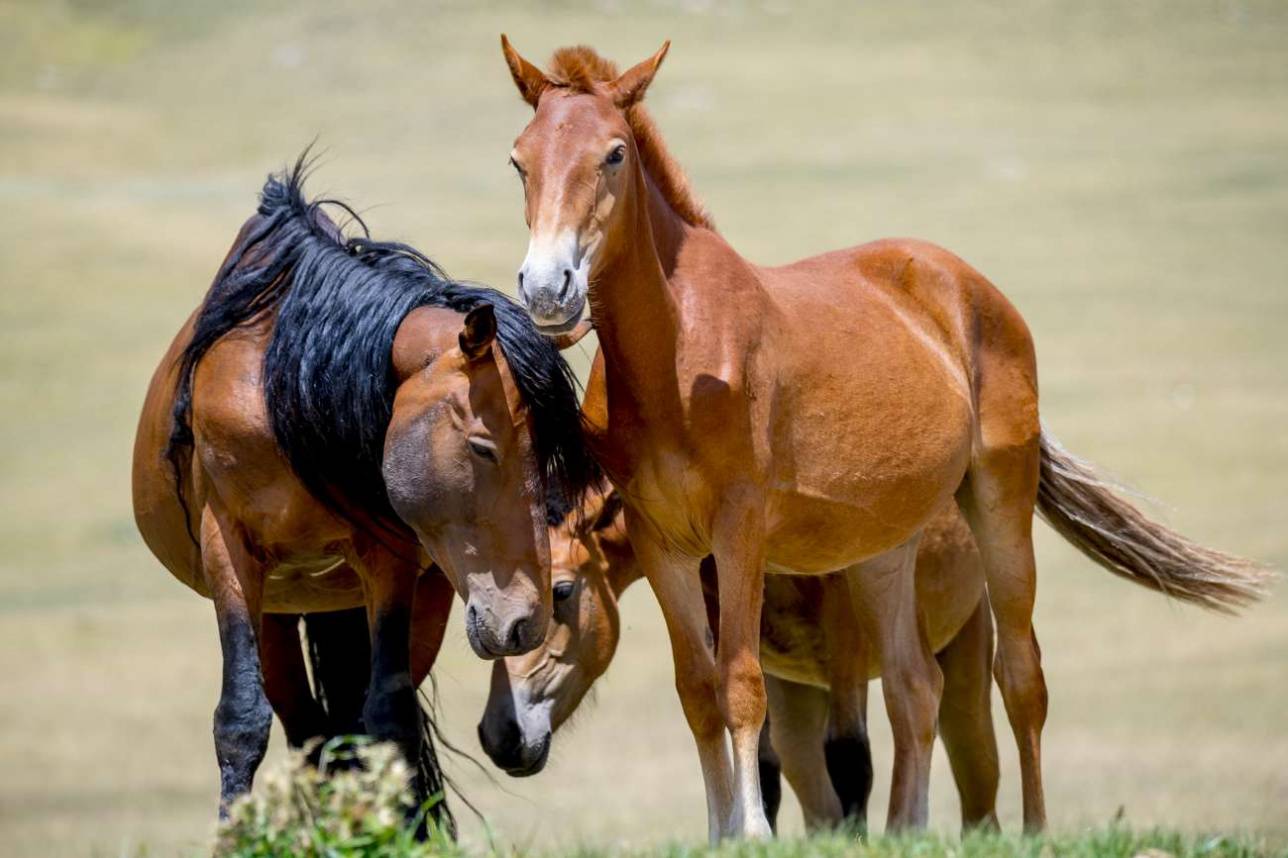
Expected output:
(554, 329)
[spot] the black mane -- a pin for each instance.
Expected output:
(328, 378)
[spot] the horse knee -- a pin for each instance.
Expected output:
(697, 693)
(912, 697)
(1019, 676)
(742, 693)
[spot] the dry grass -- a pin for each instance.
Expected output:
(1121, 170)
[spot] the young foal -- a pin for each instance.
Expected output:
(817, 668)
(806, 419)
(335, 416)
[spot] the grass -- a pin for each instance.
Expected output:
(1119, 169)
(366, 811)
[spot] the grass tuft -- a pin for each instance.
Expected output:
(357, 801)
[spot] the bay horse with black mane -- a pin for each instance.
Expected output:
(338, 426)
(806, 419)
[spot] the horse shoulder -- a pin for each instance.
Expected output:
(236, 455)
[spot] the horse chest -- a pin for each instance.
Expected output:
(666, 489)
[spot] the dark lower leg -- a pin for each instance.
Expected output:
(771, 781)
(846, 750)
(243, 716)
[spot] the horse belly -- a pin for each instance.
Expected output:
(792, 643)
(327, 584)
(866, 448)
(831, 525)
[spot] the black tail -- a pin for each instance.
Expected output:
(340, 654)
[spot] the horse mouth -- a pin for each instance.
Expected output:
(561, 328)
(534, 765)
(554, 329)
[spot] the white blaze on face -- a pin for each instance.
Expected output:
(532, 716)
(554, 277)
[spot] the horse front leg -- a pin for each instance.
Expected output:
(738, 545)
(677, 585)
(243, 716)
(797, 729)
(430, 613)
(390, 713)
(847, 749)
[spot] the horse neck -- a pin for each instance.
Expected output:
(622, 573)
(637, 317)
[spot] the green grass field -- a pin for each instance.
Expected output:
(1119, 169)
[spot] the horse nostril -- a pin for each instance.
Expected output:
(567, 284)
(522, 295)
(514, 643)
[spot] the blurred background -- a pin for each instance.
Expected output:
(1120, 170)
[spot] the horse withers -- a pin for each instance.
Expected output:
(337, 415)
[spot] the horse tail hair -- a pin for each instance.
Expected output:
(339, 647)
(1085, 508)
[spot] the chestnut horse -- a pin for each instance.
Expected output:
(806, 419)
(816, 667)
(335, 417)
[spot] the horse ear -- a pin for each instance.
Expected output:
(629, 88)
(530, 80)
(479, 331)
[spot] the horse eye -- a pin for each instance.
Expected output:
(617, 156)
(483, 449)
(563, 590)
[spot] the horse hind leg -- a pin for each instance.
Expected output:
(286, 682)
(997, 497)
(798, 724)
(966, 719)
(243, 716)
